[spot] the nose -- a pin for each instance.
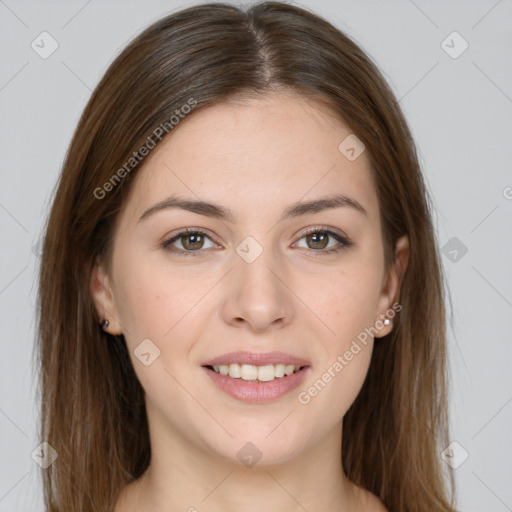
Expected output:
(258, 296)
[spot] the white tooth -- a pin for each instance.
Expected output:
(215, 368)
(248, 372)
(234, 370)
(288, 369)
(266, 373)
(279, 370)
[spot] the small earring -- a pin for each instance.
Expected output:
(104, 325)
(387, 321)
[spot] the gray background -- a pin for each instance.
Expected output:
(460, 112)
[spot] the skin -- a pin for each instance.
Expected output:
(256, 157)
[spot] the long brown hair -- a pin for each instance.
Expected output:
(92, 405)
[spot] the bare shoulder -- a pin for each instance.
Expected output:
(375, 505)
(125, 499)
(369, 501)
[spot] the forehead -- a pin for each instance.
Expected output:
(254, 155)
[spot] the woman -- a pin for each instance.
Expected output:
(241, 300)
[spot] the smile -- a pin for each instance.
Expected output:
(251, 373)
(255, 377)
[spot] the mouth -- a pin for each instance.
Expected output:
(257, 378)
(252, 373)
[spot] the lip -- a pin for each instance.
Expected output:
(257, 359)
(257, 392)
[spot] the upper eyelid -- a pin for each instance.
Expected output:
(324, 228)
(189, 231)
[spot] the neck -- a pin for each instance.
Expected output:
(183, 475)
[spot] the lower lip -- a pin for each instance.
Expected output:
(257, 392)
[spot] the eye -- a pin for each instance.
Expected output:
(319, 241)
(324, 241)
(190, 240)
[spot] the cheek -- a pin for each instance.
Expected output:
(347, 309)
(344, 304)
(340, 372)
(157, 298)
(334, 386)
(162, 305)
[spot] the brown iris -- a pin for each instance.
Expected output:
(196, 241)
(320, 240)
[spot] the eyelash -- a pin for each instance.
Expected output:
(343, 242)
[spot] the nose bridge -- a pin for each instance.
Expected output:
(258, 295)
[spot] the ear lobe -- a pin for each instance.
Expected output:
(104, 301)
(391, 289)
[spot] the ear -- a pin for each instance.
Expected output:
(390, 293)
(104, 300)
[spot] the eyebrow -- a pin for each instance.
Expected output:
(217, 211)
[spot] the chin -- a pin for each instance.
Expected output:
(258, 445)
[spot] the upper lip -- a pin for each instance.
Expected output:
(257, 359)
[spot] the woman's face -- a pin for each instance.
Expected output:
(255, 280)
